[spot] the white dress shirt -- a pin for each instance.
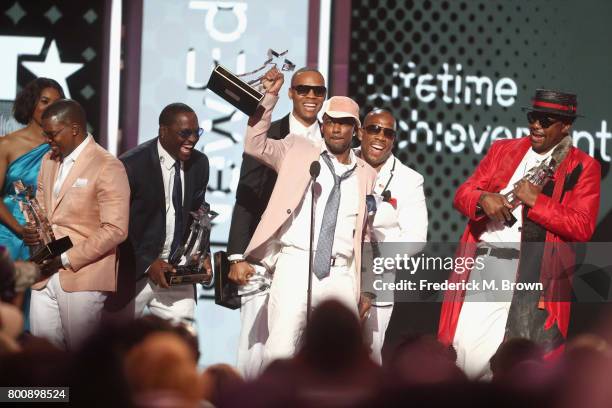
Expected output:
(166, 162)
(62, 174)
(498, 232)
(66, 166)
(296, 230)
(312, 132)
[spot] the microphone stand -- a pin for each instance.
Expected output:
(315, 168)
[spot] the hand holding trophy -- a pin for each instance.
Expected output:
(537, 177)
(244, 91)
(45, 249)
(191, 261)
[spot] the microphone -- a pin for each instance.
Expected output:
(315, 169)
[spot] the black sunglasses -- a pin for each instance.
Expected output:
(304, 90)
(376, 129)
(544, 119)
(185, 133)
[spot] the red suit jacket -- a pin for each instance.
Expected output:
(567, 217)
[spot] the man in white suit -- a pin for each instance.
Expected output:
(400, 217)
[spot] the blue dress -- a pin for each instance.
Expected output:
(24, 168)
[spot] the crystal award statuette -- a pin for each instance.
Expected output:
(538, 175)
(188, 260)
(245, 91)
(49, 247)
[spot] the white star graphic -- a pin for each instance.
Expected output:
(52, 67)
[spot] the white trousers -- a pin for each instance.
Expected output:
(287, 303)
(176, 303)
(66, 319)
(482, 321)
(375, 328)
(253, 334)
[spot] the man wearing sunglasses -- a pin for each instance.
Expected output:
(281, 240)
(400, 217)
(504, 238)
(307, 93)
(168, 179)
(84, 193)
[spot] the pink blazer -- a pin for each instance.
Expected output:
(92, 208)
(291, 158)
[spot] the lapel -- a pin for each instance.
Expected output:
(77, 169)
(362, 181)
(509, 161)
(49, 181)
(284, 127)
(188, 190)
(561, 174)
(157, 181)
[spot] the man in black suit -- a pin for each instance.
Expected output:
(307, 92)
(168, 179)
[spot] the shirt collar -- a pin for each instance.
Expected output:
(297, 128)
(352, 157)
(165, 158)
(540, 157)
(387, 166)
(73, 156)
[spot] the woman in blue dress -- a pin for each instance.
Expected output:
(21, 153)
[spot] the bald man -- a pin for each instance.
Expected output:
(85, 194)
(401, 217)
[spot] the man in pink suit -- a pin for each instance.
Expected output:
(85, 194)
(281, 240)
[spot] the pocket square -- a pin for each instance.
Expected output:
(80, 182)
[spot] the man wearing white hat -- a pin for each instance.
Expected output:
(281, 240)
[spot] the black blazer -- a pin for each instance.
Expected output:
(147, 230)
(253, 193)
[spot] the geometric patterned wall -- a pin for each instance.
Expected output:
(395, 44)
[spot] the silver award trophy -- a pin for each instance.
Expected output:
(245, 91)
(188, 260)
(540, 174)
(49, 247)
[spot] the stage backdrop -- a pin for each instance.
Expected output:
(62, 40)
(182, 41)
(456, 75)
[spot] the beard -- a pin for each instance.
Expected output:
(338, 149)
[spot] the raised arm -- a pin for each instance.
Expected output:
(256, 142)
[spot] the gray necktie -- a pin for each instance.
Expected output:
(328, 225)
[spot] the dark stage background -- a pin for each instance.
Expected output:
(456, 74)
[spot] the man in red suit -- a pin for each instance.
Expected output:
(562, 210)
